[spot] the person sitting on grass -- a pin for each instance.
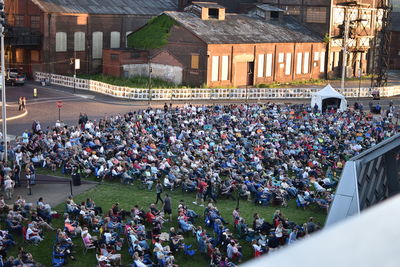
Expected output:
(62, 251)
(113, 257)
(40, 222)
(33, 233)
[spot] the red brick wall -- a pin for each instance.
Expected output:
(112, 65)
(240, 54)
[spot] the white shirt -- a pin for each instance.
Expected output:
(8, 183)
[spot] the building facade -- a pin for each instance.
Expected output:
(328, 18)
(46, 35)
(216, 48)
(395, 42)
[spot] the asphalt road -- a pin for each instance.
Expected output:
(44, 109)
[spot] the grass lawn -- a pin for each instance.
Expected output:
(128, 195)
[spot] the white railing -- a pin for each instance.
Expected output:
(201, 93)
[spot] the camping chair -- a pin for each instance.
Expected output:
(87, 247)
(102, 261)
(57, 261)
(188, 251)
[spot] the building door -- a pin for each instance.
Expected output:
(250, 73)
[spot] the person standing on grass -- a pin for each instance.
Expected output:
(201, 188)
(167, 206)
(159, 190)
(9, 187)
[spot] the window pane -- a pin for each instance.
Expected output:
(97, 45)
(79, 41)
(306, 61)
(35, 22)
(268, 71)
(215, 68)
(61, 42)
(316, 15)
(288, 65)
(225, 67)
(299, 63)
(115, 40)
(260, 68)
(195, 62)
(322, 62)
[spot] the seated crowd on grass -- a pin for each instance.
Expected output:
(267, 154)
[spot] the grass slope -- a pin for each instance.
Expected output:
(108, 193)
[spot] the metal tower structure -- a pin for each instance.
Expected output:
(380, 62)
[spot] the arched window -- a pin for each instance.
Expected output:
(61, 42)
(115, 41)
(79, 41)
(97, 45)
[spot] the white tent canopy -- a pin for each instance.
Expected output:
(330, 96)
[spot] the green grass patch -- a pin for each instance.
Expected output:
(153, 35)
(108, 193)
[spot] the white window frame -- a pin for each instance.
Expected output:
(61, 42)
(79, 41)
(225, 68)
(97, 45)
(322, 62)
(299, 63)
(269, 64)
(214, 68)
(260, 66)
(306, 63)
(115, 39)
(288, 64)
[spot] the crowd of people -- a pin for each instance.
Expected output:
(266, 154)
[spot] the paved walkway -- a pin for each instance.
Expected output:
(54, 190)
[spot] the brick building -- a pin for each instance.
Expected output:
(46, 34)
(216, 48)
(327, 17)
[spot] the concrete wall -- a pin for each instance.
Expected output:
(169, 73)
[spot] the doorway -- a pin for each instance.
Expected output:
(250, 73)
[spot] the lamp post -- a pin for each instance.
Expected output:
(3, 75)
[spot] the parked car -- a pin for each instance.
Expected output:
(15, 79)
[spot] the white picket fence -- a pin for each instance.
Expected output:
(201, 93)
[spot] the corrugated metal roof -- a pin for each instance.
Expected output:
(126, 7)
(244, 29)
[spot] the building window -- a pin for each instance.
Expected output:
(338, 16)
(281, 57)
(299, 63)
(215, 68)
(316, 56)
(288, 65)
(213, 13)
(97, 51)
(19, 20)
(268, 67)
(292, 10)
(114, 57)
(260, 68)
(35, 22)
(126, 38)
(194, 62)
(306, 62)
(316, 15)
(61, 42)
(225, 68)
(322, 62)
(34, 55)
(79, 41)
(115, 41)
(19, 55)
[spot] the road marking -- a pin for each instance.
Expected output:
(16, 117)
(86, 96)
